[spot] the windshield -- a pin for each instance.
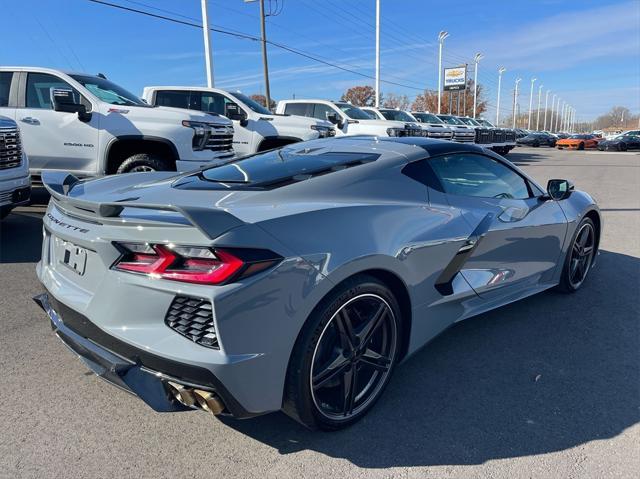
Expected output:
(371, 114)
(427, 117)
(254, 105)
(353, 112)
(451, 120)
(397, 115)
(484, 122)
(108, 91)
(469, 121)
(580, 137)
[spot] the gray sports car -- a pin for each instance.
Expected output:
(297, 279)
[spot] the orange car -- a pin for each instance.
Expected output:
(578, 142)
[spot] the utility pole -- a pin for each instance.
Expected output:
(546, 105)
(265, 64)
(441, 37)
(533, 80)
(476, 59)
(377, 102)
(515, 101)
(553, 103)
(501, 70)
(539, 104)
(208, 57)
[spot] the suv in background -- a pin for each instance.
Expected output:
(504, 138)
(433, 131)
(255, 127)
(349, 119)
(89, 126)
(15, 182)
(461, 132)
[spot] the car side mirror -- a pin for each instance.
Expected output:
(234, 112)
(67, 101)
(333, 118)
(559, 189)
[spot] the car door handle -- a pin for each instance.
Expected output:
(30, 120)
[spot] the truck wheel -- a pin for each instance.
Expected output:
(144, 162)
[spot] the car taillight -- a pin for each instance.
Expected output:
(190, 264)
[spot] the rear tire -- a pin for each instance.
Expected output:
(339, 367)
(144, 162)
(622, 147)
(579, 258)
(581, 146)
(536, 144)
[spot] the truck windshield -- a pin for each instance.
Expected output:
(397, 115)
(108, 91)
(451, 120)
(427, 117)
(484, 122)
(469, 121)
(254, 105)
(353, 112)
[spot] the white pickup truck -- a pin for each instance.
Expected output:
(89, 126)
(255, 127)
(348, 119)
(441, 132)
(15, 182)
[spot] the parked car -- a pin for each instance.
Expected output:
(255, 127)
(15, 182)
(562, 135)
(391, 114)
(520, 133)
(627, 141)
(298, 278)
(483, 135)
(461, 132)
(537, 139)
(348, 119)
(577, 142)
(90, 126)
(432, 121)
(504, 139)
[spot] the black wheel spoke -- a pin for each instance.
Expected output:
(375, 360)
(372, 325)
(349, 390)
(335, 369)
(345, 330)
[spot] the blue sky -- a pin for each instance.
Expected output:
(586, 51)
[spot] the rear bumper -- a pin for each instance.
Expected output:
(133, 369)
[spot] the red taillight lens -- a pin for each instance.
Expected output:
(186, 264)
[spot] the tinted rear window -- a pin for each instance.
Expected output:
(280, 167)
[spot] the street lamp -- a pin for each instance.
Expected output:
(533, 80)
(539, 102)
(515, 101)
(476, 59)
(441, 37)
(546, 105)
(501, 70)
(553, 103)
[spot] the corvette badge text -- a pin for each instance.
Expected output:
(62, 224)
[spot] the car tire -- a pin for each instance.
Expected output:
(144, 162)
(536, 144)
(581, 146)
(579, 258)
(323, 357)
(622, 147)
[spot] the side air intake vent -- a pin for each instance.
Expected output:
(193, 318)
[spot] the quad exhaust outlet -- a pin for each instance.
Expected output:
(205, 400)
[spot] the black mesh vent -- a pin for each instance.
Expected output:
(193, 318)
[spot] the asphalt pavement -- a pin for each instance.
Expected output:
(548, 387)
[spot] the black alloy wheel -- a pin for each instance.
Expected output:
(581, 146)
(622, 147)
(580, 257)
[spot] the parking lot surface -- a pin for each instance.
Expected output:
(547, 387)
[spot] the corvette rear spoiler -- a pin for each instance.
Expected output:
(211, 222)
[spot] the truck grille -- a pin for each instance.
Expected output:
(221, 139)
(483, 136)
(10, 148)
(464, 136)
(510, 135)
(498, 136)
(193, 318)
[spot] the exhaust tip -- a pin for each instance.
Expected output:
(209, 401)
(182, 394)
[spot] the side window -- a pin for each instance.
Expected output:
(5, 86)
(320, 111)
(468, 174)
(300, 109)
(176, 99)
(213, 103)
(38, 85)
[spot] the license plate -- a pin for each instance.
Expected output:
(73, 257)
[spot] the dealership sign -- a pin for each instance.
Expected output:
(455, 78)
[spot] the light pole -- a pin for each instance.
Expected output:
(546, 105)
(515, 101)
(559, 114)
(208, 56)
(476, 60)
(377, 102)
(533, 80)
(539, 103)
(553, 104)
(441, 37)
(501, 70)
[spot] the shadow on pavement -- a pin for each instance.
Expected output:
(546, 374)
(20, 238)
(520, 156)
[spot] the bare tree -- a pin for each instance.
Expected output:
(428, 101)
(392, 100)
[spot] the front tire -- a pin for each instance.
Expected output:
(344, 356)
(579, 257)
(622, 147)
(581, 146)
(144, 162)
